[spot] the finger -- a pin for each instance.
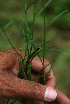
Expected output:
(33, 76)
(10, 61)
(61, 97)
(13, 87)
(32, 90)
(37, 67)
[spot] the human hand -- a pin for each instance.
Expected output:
(61, 98)
(12, 87)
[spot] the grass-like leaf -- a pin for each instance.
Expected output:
(32, 4)
(8, 38)
(14, 101)
(59, 15)
(8, 101)
(33, 46)
(52, 49)
(58, 57)
(55, 19)
(61, 19)
(43, 8)
(16, 26)
(22, 68)
(8, 24)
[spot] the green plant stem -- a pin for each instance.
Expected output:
(34, 18)
(22, 68)
(26, 28)
(30, 5)
(44, 38)
(7, 101)
(8, 38)
(32, 101)
(30, 72)
(14, 101)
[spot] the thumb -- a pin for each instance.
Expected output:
(32, 90)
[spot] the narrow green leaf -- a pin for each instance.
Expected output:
(53, 49)
(8, 101)
(39, 75)
(8, 24)
(43, 8)
(46, 42)
(16, 26)
(8, 38)
(61, 19)
(59, 15)
(14, 101)
(30, 5)
(58, 57)
(31, 56)
(33, 46)
(25, 40)
(22, 68)
(28, 31)
(34, 15)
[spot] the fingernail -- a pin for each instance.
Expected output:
(50, 94)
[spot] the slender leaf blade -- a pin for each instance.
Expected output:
(8, 24)
(43, 8)
(59, 15)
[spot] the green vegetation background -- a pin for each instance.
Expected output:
(59, 33)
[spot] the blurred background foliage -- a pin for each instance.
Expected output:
(59, 33)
